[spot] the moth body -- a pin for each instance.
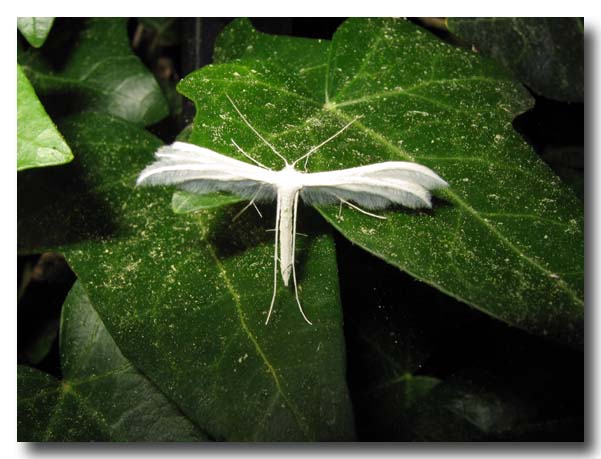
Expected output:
(288, 182)
(286, 201)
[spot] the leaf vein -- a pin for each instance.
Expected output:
(270, 368)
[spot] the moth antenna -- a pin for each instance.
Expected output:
(254, 130)
(248, 156)
(381, 217)
(332, 137)
(293, 268)
(275, 262)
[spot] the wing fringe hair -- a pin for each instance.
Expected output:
(200, 170)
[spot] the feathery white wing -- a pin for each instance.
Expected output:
(375, 186)
(200, 170)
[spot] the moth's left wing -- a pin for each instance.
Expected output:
(200, 170)
(376, 186)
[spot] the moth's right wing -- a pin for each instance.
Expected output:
(375, 186)
(200, 170)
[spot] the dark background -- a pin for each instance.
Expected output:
(503, 374)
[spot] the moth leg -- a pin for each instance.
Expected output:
(275, 261)
(300, 234)
(256, 208)
(251, 203)
(293, 268)
(242, 211)
(381, 217)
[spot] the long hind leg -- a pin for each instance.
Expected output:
(350, 204)
(275, 261)
(293, 268)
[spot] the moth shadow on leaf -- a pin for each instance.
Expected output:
(438, 203)
(231, 236)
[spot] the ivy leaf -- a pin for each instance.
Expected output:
(547, 54)
(101, 397)
(184, 202)
(507, 237)
(185, 296)
(39, 143)
(89, 65)
(35, 30)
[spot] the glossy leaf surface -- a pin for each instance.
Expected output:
(39, 143)
(89, 65)
(35, 30)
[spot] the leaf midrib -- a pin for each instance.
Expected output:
(84, 82)
(240, 313)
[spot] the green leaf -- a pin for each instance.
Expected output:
(89, 65)
(507, 237)
(39, 143)
(102, 397)
(184, 202)
(35, 30)
(185, 296)
(547, 54)
(41, 399)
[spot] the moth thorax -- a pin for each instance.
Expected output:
(289, 179)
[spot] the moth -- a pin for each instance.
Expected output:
(375, 186)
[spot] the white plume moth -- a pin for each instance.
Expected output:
(376, 186)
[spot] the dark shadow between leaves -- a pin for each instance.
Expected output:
(399, 330)
(63, 38)
(56, 206)
(65, 102)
